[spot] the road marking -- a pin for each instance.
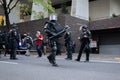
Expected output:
(102, 61)
(8, 62)
(117, 58)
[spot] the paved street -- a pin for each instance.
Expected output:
(33, 68)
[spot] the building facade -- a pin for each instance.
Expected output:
(98, 14)
(103, 9)
(104, 24)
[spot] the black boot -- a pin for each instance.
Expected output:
(54, 64)
(77, 60)
(50, 60)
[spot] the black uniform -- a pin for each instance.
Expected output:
(85, 37)
(13, 42)
(1, 40)
(68, 45)
(54, 31)
(4, 42)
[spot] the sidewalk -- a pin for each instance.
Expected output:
(97, 57)
(93, 57)
(105, 57)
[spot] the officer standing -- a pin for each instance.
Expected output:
(85, 36)
(68, 45)
(13, 41)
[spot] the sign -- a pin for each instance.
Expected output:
(93, 44)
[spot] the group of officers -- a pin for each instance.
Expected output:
(9, 41)
(53, 32)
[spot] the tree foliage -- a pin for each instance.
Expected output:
(8, 6)
(46, 4)
(25, 10)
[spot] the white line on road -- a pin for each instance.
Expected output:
(102, 61)
(8, 62)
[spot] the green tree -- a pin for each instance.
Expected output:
(46, 4)
(47, 7)
(9, 6)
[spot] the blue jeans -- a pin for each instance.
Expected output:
(39, 50)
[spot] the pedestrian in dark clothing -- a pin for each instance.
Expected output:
(13, 41)
(68, 45)
(85, 36)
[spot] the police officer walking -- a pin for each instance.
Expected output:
(54, 31)
(13, 41)
(85, 36)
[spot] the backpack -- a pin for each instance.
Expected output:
(28, 42)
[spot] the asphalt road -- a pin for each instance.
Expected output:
(33, 68)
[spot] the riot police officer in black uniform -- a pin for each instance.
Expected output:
(85, 36)
(68, 45)
(13, 41)
(54, 31)
(1, 41)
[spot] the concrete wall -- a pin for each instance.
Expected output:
(114, 7)
(80, 9)
(103, 9)
(99, 9)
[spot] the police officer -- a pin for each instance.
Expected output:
(54, 31)
(68, 45)
(13, 41)
(1, 45)
(85, 36)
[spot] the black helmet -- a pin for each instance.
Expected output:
(14, 25)
(84, 26)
